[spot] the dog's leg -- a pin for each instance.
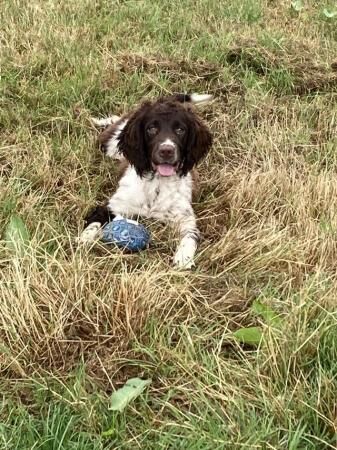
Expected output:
(94, 222)
(189, 237)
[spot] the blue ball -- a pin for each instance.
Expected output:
(126, 234)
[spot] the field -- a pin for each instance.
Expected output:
(76, 324)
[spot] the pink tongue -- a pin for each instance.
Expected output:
(165, 170)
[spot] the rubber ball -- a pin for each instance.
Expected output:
(126, 234)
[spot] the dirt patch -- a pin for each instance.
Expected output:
(256, 59)
(199, 73)
(307, 75)
(151, 64)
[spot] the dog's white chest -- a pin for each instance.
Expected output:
(163, 198)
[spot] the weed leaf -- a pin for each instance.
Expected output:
(249, 335)
(329, 14)
(123, 396)
(267, 313)
(297, 5)
(16, 235)
(108, 433)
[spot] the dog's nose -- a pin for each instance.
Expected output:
(166, 151)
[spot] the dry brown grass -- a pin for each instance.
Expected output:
(267, 212)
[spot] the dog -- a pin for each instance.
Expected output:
(159, 144)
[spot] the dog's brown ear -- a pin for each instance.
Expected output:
(199, 141)
(131, 141)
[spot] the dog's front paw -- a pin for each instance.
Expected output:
(91, 234)
(183, 259)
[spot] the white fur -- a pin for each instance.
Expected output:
(168, 142)
(105, 122)
(184, 256)
(152, 196)
(201, 99)
(91, 234)
(167, 199)
(112, 145)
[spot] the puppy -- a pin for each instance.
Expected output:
(160, 143)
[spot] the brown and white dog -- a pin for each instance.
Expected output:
(161, 142)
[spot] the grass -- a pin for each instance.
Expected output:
(76, 324)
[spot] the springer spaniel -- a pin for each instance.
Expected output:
(159, 143)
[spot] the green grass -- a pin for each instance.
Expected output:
(214, 398)
(76, 324)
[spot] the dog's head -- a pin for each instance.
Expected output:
(164, 137)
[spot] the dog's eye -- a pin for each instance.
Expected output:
(179, 131)
(152, 130)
